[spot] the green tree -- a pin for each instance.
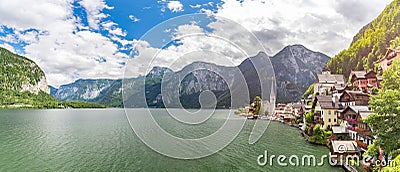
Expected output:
(309, 91)
(317, 131)
(309, 117)
(257, 105)
(373, 151)
(385, 120)
(391, 77)
(394, 166)
(395, 43)
(266, 113)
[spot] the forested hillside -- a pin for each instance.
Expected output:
(371, 43)
(23, 85)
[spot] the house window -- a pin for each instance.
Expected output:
(334, 120)
(329, 112)
(329, 120)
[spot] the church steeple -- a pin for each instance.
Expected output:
(272, 98)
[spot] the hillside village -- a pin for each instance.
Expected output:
(339, 108)
(334, 110)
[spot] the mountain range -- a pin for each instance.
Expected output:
(295, 68)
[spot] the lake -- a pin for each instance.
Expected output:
(102, 140)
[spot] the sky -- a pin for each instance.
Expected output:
(74, 39)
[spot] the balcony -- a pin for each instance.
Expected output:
(352, 121)
(351, 128)
(362, 131)
(361, 144)
(359, 130)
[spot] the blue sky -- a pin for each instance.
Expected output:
(134, 17)
(73, 39)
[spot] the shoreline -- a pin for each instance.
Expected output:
(306, 137)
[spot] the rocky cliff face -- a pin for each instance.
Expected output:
(296, 68)
(40, 86)
(89, 90)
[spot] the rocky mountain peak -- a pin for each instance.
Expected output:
(157, 71)
(295, 68)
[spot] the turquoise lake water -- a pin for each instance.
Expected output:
(102, 140)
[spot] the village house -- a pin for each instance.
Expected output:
(364, 133)
(342, 151)
(288, 113)
(340, 133)
(353, 118)
(297, 109)
(326, 111)
(307, 100)
(326, 82)
(364, 81)
(280, 109)
(354, 98)
(391, 55)
(306, 109)
(339, 89)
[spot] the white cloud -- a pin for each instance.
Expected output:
(8, 47)
(118, 32)
(9, 39)
(94, 10)
(195, 44)
(175, 6)
(61, 45)
(326, 26)
(195, 6)
(113, 28)
(26, 14)
(167, 30)
(133, 18)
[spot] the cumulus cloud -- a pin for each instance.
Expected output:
(9, 39)
(94, 10)
(175, 6)
(195, 6)
(61, 44)
(326, 26)
(193, 43)
(356, 10)
(133, 18)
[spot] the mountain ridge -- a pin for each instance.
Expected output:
(297, 55)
